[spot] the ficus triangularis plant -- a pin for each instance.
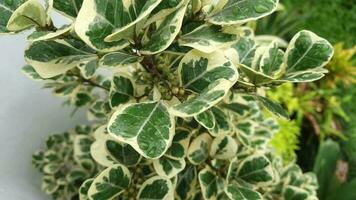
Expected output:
(176, 89)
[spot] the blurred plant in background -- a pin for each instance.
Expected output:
(322, 134)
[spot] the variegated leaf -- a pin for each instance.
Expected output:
(210, 184)
(118, 59)
(88, 69)
(210, 96)
(179, 147)
(156, 188)
(84, 188)
(186, 183)
(30, 72)
(122, 90)
(69, 8)
(306, 56)
(168, 167)
(166, 32)
(199, 149)
(147, 127)
(48, 35)
(7, 8)
(235, 192)
(29, 14)
(165, 8)
(271, 60)
(122, 153)
(242, 11)
(97, 24)
(207, 38)
(222, 122)
(82, 145)
(131, 13)
(198, 70)
(223, 147)
(110, 183)
(273, 107)
(206, 119)
(100, 153)
(55, 57)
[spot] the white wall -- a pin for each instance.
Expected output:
(27, 115)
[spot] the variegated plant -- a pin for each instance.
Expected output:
(176, 88)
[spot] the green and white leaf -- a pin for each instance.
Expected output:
(166, 32)
(48, 35)
(255, 77)
(210, 184)
(273, 107)
(199, 149)
(55, 57)
(69, 8)
(7, 8)
(242, 11)
(82, 145)
(207, 38)
(186, 184)
(246, 49)
(30, 72)
(147, 127)
(122, 90)
(88, 69)
(293, 192)
(179, 147)
(255, 169)
(165, 8)
(97, 20)
(167, 167)
(210, 96)
(29, 14)
(306, 54)
(222, 122)
(131, 13)
(100, 154)
(198, 70)
(119, 59)
(206, 119)
(235, 192)
(271, 60)
(110, 183)
(122, 153)
(223, 147)
(156, 188)
(84, 188)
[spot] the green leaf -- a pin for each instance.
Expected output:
(7, 8)
(210, 96)
(235, 192)
(166, 32)
(295, 193)
(167, 167)
(131, 12)
(122, 90)
(122, 153)
(223, 147)
(84, 188)
(199, 148)
(307, 53)
(147, 127)
(242, 11)
(55, 57)
(210, 184)
(110, 183)
(198, 70)
(206, 119)
(69, 8)
(119, 59)
(273, 107)
(48, 35)
(186, 183)
(156, 188)
(31, 13)
(179, 147)
(207, 38)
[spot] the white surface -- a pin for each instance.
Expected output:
(27, 115)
